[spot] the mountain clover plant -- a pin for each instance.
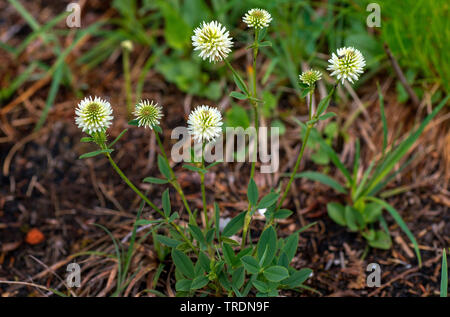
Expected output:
(211, 258)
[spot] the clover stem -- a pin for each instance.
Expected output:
(255, 104)
(300, 155)
(174, 180)
(140, 194)
(202, 178)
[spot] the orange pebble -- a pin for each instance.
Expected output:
(34, 236)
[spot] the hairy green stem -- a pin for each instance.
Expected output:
(144, 198)
(255, 105)
(300, 155)
(202, 179)
(174, 180)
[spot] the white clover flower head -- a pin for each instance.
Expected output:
(257, 18)
(212, 40)
(93, 115)
(205, 123)
(148, 114)
(348, 64)
(310, 77)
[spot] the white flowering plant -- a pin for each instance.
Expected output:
(210, 257)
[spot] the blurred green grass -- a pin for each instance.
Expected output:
(417, 32)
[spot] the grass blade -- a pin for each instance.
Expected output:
(444, 275)
(322, 178)
(118, 254)
(51, 96)
(393, 157)
(401, 224)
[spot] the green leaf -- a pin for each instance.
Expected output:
(261, 286)
(444, 275)
(371, 212)
(322, 178)
(401, 224)
(183, 285)
(86, 139)
(327, 116)
(199, 282)
(213, 164)
(298, 278)
(174, 216)
(195, 169)
(234, 225)
(238, 277)
(291, 245)
(183, 263)
(265, 43)
(261, 35)
(267, 246)
(197, 234)
(353, 218)
(163, 167)
(252, 192)
(95, 153)
(276, 273)
(382, 240)
(157, 129)
(250, 264)
(240, 83)
(155, 180)
(167, 241)
(134, 122)
(210, 235)
(229, 241)
(337, 212)
(238, 95)
(228, 254)
(144, 222)
(118, 138)
(305, 91)
(166, 202)
(282, 214)
(324, 103)
(204, 261)
(369, 234)
(237, 116)
(268, 200)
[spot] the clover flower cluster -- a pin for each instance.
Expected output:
(93, 115)
(310, 77)
(347, 64)
(257, 18)
(148, 114)
(205, 123)
(212, 40)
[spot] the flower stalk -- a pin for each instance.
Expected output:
(173, 181)
(144, 198)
